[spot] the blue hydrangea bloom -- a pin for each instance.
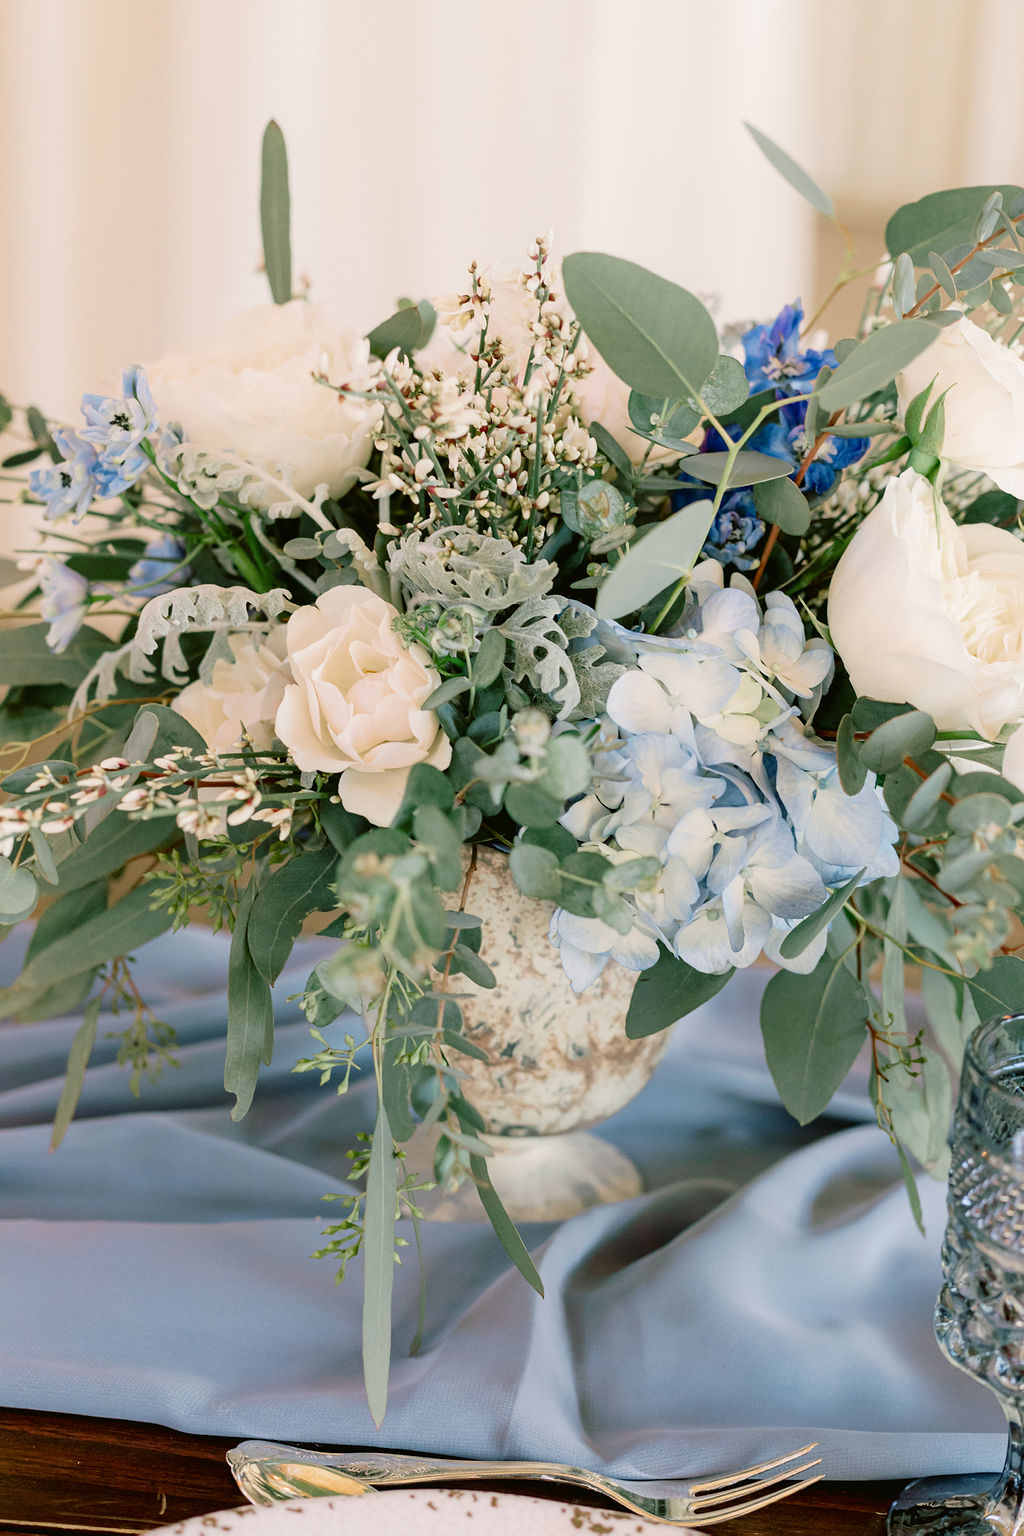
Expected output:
(774, 360)
(65, 602)
(69, 486)
(704, 765)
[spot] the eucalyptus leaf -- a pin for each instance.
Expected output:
(111, 846)
(275, 214)
(530, 806)
(666, 992)
(676, 418)
(923, 802)
(28, 659)
(379, 1264)
(66, 913)
(18, 892)
(489, 658)
(117, 930)
(403, 330)
(250, 1017)
(805, 932)
(876, 362)
(795, 174)
(747, 468)
(655, 335)
(283, 901)
(939, 221)
(726, 387)
(504, 1227)
(904, 736)
(813, 1029)
(74, 1076)
(655, 561)
(781, 502)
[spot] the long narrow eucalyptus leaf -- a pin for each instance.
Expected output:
(379, 1265)
(795, 174)
(798, 938)
(115, 931)
(78, 1060)
(250, 1031)
(275, 214)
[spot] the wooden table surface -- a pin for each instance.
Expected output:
(62, 1473)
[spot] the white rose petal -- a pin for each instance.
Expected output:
(355, 705)
(985, 403)
(242, 694)
(252, 392)
(927, 613)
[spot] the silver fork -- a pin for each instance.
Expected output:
(266, 1472)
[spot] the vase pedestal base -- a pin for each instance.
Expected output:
(539, 1178)
(934, 1506)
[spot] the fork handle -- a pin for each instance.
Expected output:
(384, 1467)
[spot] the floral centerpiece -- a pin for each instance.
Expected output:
(720, 637)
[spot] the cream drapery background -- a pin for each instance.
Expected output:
(426, 132)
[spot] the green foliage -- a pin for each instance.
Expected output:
(813, 1029)
(876, 362)
(795, 174)
(668, 992)
(281, 904)
(379, 1264)
(250, 1022)
(656, 560)
(74, 1077)
(781, 502)
(275, 214)
(655, 335)
(404, 330)
(939, 222)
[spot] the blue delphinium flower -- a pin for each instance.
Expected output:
(774, 360)
(118, 427)
(736, 531)
(65, 601)
(69, 486)
(160, 568)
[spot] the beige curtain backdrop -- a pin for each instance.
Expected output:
(426, 132)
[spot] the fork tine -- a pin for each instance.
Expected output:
(733, 1511)
(730, 1497)
(732, 1478)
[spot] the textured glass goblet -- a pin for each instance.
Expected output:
(979, 1316)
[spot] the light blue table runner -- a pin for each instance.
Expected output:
(771, 1289)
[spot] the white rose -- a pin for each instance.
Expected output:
(985, 403)
(242, 694)
(356, 704)
(251, 392)
(928, 613)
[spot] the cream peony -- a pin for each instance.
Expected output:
(251, 392)
(928, 613)
(985, 403)
(355, 706)
(242, 694)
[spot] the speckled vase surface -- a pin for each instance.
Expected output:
(557, 1061)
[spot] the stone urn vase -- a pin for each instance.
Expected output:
(557, 1063)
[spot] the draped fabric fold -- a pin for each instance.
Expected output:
(769, 1289)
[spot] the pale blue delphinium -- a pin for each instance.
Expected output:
(69, 486)
(65, 601)
(160, 569)
(119, 427)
